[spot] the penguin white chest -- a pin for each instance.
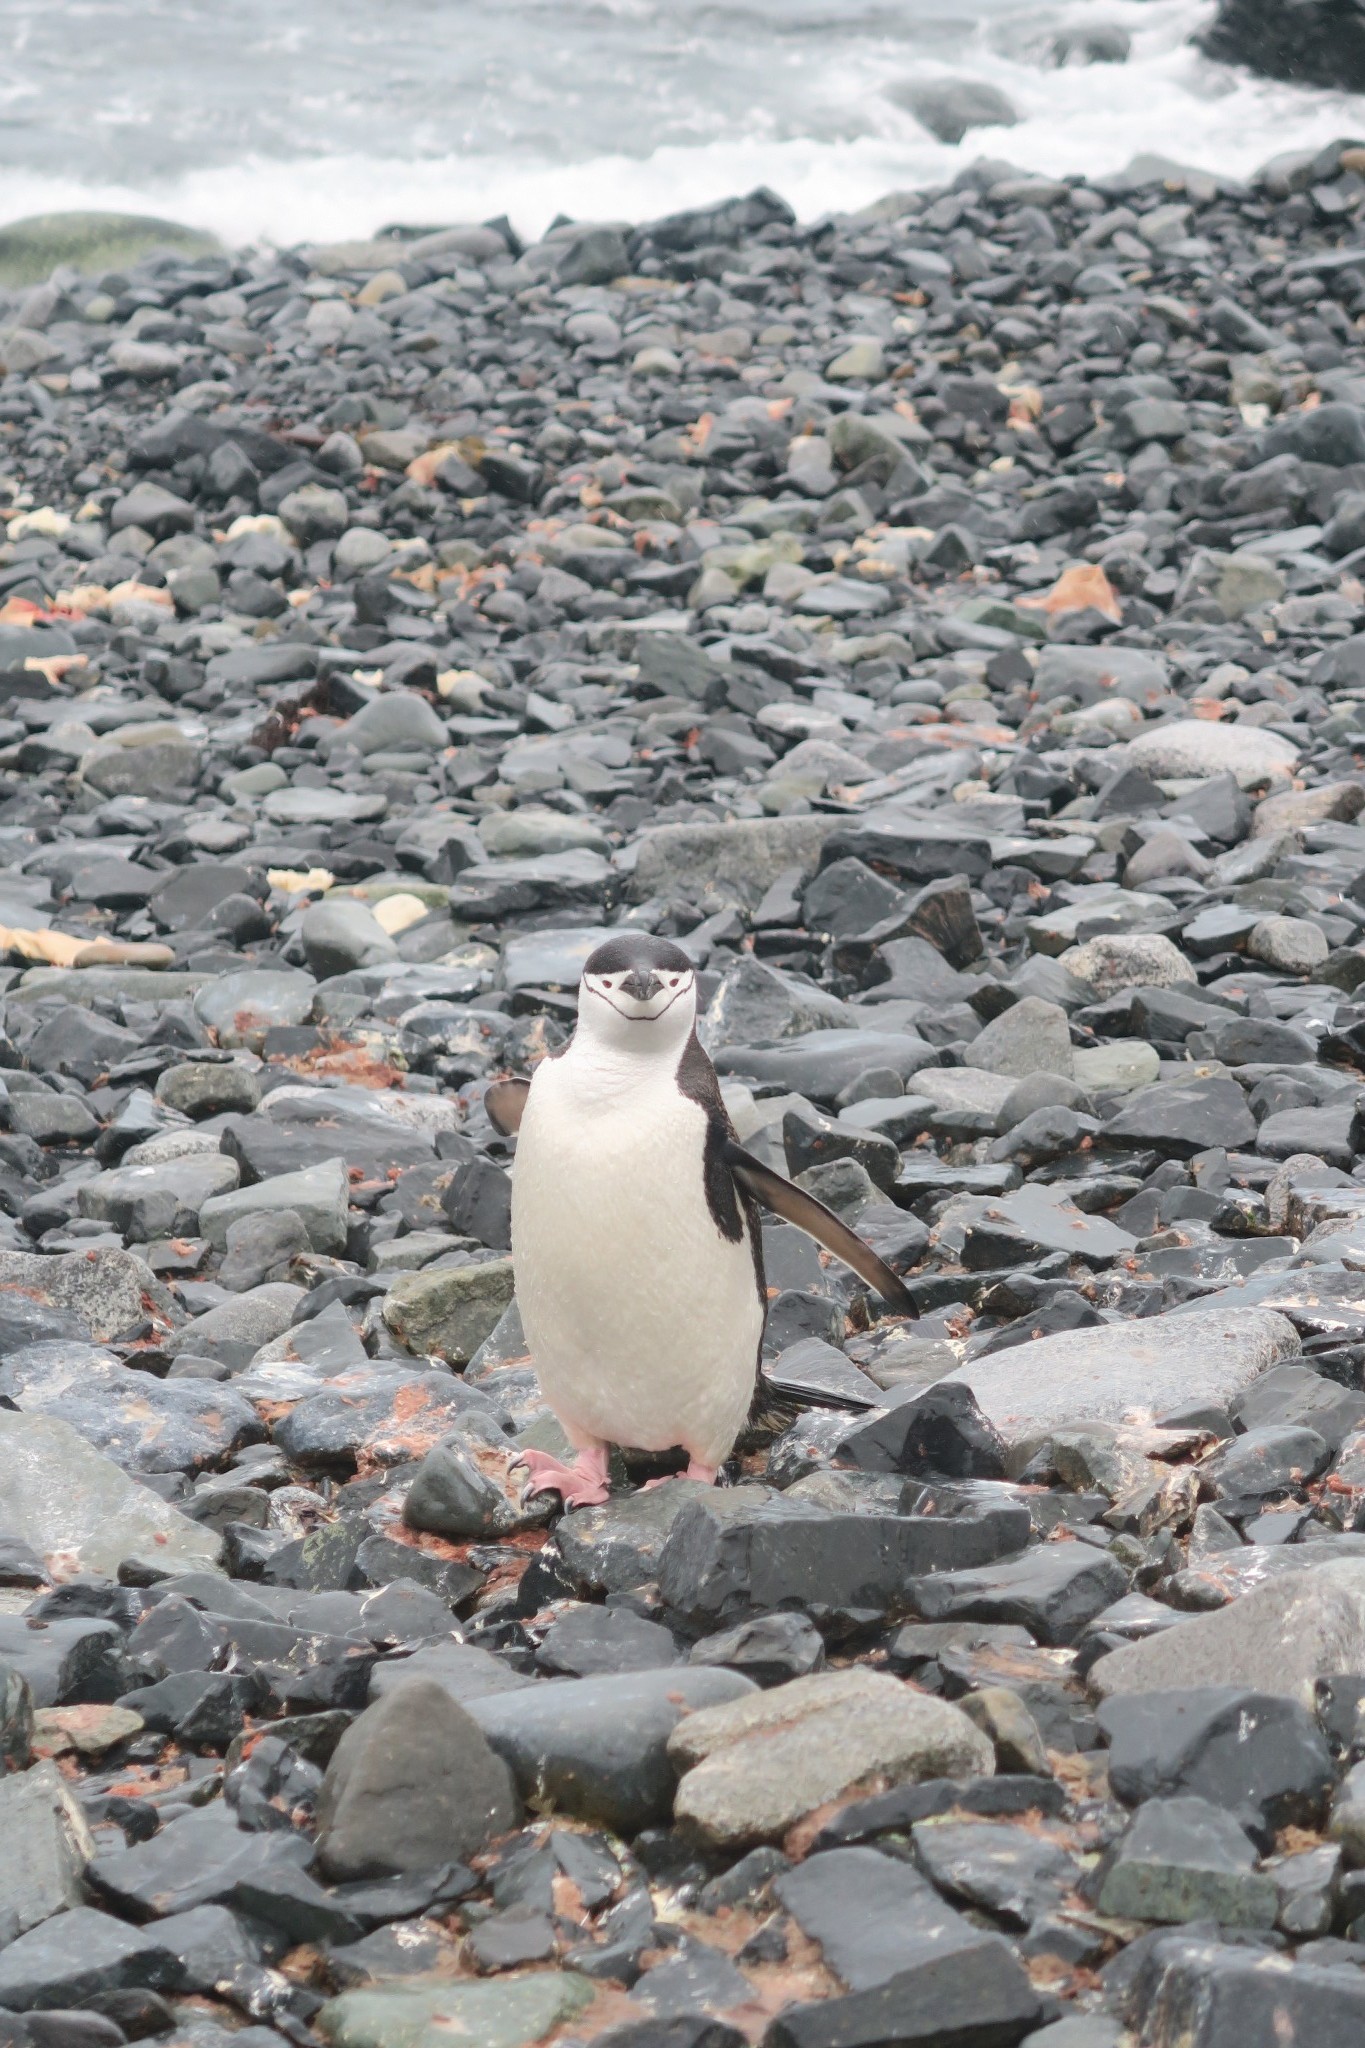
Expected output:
(643, 1318)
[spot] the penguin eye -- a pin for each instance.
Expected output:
(673, 980)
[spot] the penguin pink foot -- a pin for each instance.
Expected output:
(582, 1484)
(705, 1473)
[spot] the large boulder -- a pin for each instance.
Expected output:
(1314, 42)
(413, 1784)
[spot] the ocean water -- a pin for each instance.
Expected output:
(324, 118)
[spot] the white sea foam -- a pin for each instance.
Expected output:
(859, 145)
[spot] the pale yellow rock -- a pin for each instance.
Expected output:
(396, 913)
(463, 687)
(656, 362)
(66, 949)
(43, 519)
(294, 882)
(762, 1764)
(385, 284)
(257, 522)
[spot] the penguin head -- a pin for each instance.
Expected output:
(638, 992)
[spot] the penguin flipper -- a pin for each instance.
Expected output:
(794, 1205)
(505, 1102)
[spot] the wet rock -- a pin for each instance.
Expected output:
(940, 1432)
(948, 108)
(1140, 1369)
(1053, 1593)
(462, 1670)
(617, 1546)
(79, 1511)
(587, 1640)
(197, 1859)
(769, 1651)
(1007, 1231)
(48, 1845)
(469, 1488)
(1279, 1638)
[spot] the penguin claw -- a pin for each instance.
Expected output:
(582, 1484)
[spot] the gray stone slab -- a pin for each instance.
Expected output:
(1281, 1638)
(1129, 1371)
(46, 1846)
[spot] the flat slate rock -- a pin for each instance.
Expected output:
(142, 1423)
(74, 1955)
(1280, 1638)
(78, 1509)
(1130, 1371)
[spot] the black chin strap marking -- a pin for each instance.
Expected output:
(653, 1016)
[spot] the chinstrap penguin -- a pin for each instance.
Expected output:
(635, 1227)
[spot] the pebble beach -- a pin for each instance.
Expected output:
(946, 621)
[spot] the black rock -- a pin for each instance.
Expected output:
(1184, 1859)
(80, 1952)
(1181, 1119)
(194, 1861)
(1208, 1991)
(64, 1662)
(770, 1650)
(201, 1709)
(1274, 1460)
(1261, 1758)
(728, 1562)
(1052, 1592)
(590, 1640)
(916, 1971)
(1013, 1876)
(941, 1433)
(411, 1785)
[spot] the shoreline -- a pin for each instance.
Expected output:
(948, 623)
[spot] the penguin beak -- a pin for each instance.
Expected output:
(642, 983)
